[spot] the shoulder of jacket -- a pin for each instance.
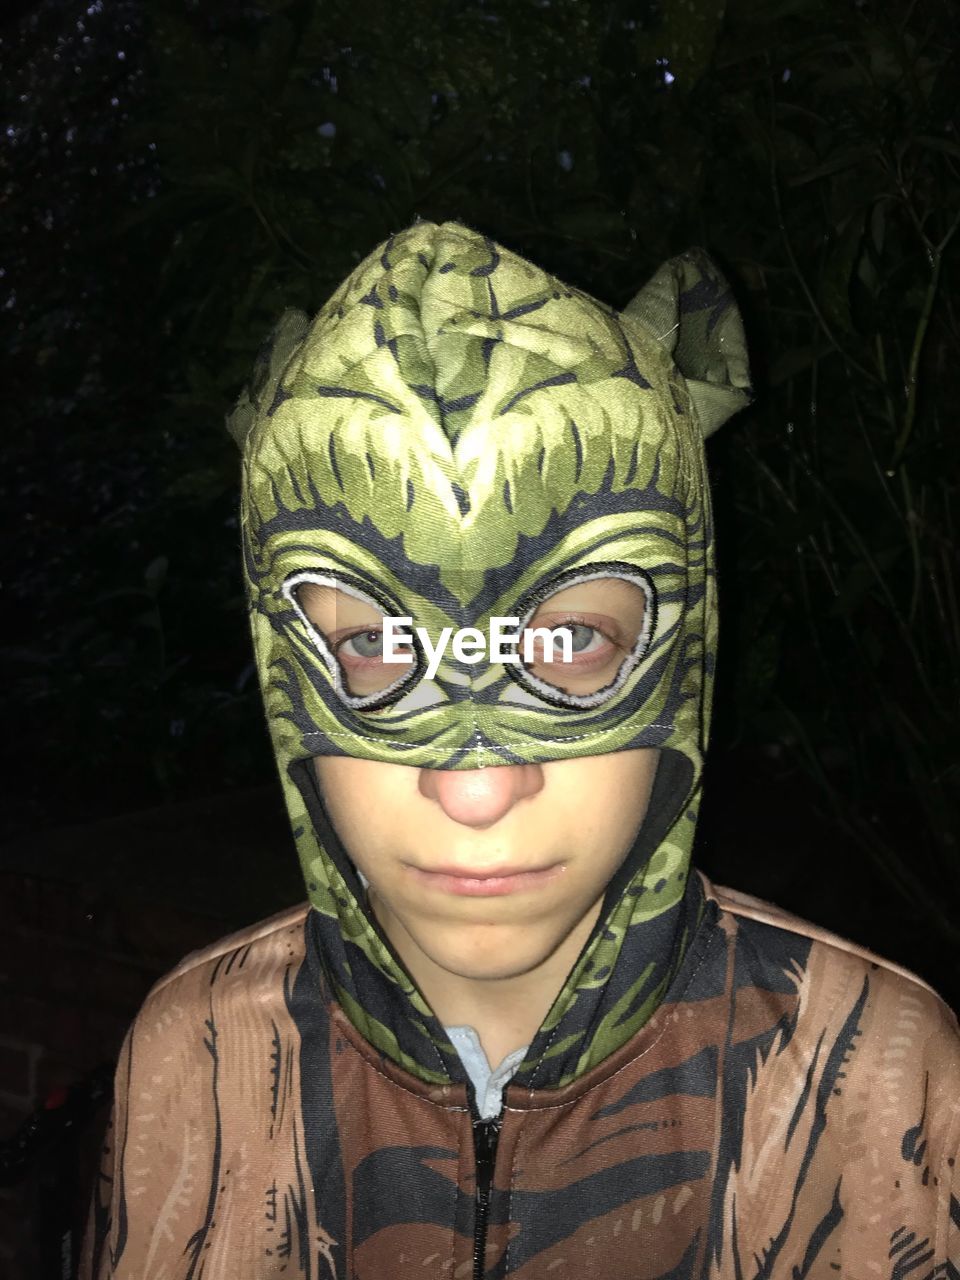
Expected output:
(864, 1081)
(250, 948)
(841, 951)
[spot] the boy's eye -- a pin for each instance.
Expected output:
(365, 644)
(574, 657)
(352, 628)
(581, 637)
(363, 664)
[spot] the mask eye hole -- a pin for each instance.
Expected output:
(348, 628)
(581, 638)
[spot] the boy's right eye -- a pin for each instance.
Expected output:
(365, 644)
(363, 665)
(352, 631)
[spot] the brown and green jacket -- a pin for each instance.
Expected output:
(791, 1109)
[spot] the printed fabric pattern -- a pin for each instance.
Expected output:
(791, 1109)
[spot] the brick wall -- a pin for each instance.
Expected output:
(75, 964)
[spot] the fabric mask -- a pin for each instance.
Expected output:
(457, 437)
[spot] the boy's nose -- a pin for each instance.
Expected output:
(480, 797)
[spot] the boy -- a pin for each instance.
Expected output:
(512, 1035)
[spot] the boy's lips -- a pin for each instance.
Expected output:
(485, 882)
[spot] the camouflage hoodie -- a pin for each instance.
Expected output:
(453, 437)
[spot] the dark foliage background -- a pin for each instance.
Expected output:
(177, 171)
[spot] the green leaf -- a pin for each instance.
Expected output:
(837, 272)
(839, 162)
(155, 575)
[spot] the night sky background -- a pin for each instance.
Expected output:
(174, 174)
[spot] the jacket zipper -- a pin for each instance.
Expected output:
(485, 1135)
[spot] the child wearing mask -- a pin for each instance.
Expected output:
(512, 1033)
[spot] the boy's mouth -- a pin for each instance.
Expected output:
(485, 882)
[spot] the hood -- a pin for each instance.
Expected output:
(452, 438)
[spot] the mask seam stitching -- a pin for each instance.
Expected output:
(575, 737)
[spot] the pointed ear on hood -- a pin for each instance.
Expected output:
(690, 309)
(272, 358)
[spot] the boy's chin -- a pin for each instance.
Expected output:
(496, 954)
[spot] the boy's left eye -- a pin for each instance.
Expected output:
(589, 664)
(582, 637)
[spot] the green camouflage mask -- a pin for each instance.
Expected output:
(457, 436)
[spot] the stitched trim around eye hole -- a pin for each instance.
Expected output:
(529, 604)
(340, 581)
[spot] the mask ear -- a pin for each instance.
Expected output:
(272, 358)
(690, 309)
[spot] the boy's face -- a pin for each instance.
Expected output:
(488, 873)
(430, 840)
